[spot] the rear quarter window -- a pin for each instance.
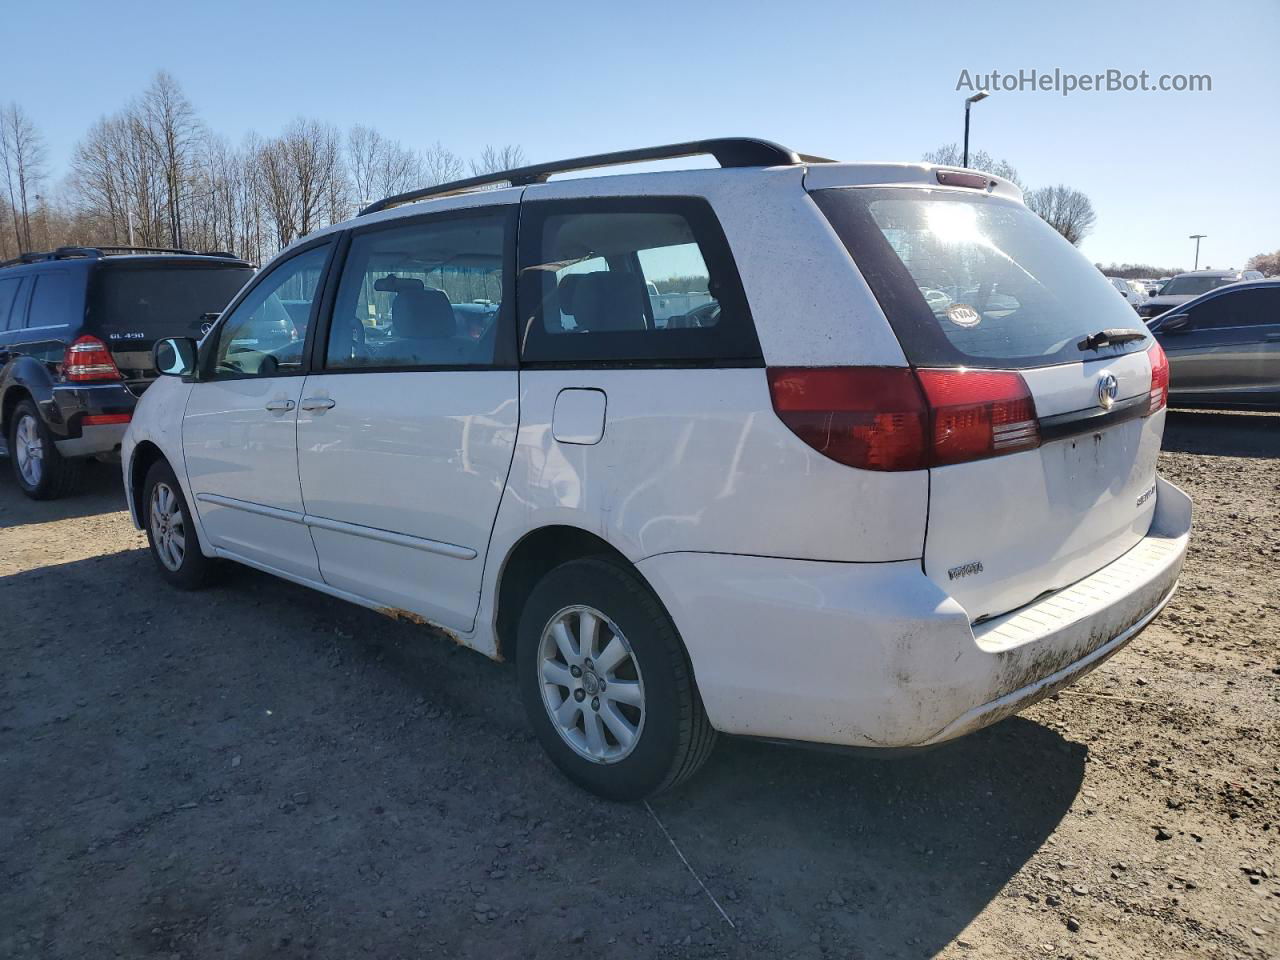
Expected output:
(51, 300)
(971, 280)
(636, 281)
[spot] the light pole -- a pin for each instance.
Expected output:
(1197, 237)
(969, 102)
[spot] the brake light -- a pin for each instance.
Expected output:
(896, 418)
(88, 358)
(1159, 378)
(978, 413)
(869, 417)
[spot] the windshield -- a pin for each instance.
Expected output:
(974, 280)
(1193, 286)
(137, 302)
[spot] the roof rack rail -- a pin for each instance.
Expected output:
(728, 151)
(120, 249)
(103, 250)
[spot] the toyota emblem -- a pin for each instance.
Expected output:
(1108, 387)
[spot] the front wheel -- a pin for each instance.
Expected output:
(607, 684)
(175, 545)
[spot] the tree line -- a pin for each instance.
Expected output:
(153, 174)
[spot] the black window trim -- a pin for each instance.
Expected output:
(204, 362)
(713, 245)
(504, 347)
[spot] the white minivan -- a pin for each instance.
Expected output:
(826, 505)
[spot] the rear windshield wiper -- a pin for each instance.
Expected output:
(1108, 338)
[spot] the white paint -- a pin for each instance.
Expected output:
(420, 454)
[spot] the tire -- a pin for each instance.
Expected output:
(175, 545)
(42, 473)
(670, 735)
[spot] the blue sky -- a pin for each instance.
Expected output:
(855, 81)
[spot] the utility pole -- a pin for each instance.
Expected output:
(969, 102)
(1197, 237)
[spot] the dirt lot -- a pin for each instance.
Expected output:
(258, 770)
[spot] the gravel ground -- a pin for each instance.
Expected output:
(258, 770)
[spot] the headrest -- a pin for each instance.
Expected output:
(422, 314)
(609, 301)
(566, 288)
(393, 284)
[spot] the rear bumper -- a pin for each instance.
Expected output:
(73, 403)
(878, 655)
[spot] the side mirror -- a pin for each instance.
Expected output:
(1178, 323)
(175, 357)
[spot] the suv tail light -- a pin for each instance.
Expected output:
(896, 418)
(1159, 378)
(88, 358)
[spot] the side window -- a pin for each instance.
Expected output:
(50, 299)
(426, 294)
(1246, 308)
(8, 296)
(634, 280)
(264, 335)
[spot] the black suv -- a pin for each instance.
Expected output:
(76, 329)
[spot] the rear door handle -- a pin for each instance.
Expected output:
(280, 406)
(311, 404)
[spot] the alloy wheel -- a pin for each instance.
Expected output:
(168, 526)
(29, 450)
(591, 684)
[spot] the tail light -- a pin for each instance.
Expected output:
(1159, 378)
(977, 414)
(88, 358)
(869, 417)
(896, 418)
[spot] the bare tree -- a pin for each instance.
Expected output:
(1267, 263)
(379, 166)
(440, 165)
(950, 155)
(301, 175)
(168, 121)
(495, 159)
(22, 157)
(1065, 209)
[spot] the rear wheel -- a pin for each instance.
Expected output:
(607, 684)
(175, 545)
(42, 473)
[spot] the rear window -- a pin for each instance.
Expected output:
(974, 280)
(162, 301)
(1193, 286)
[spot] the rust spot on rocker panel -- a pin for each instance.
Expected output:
(400, 615)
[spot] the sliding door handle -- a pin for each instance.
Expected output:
(312, 404)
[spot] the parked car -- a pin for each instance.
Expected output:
(76, 330)
(1224, 347)
(1132, 292)
(1186, 286)
(831, 511)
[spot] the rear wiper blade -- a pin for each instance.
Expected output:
(1107, 338)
